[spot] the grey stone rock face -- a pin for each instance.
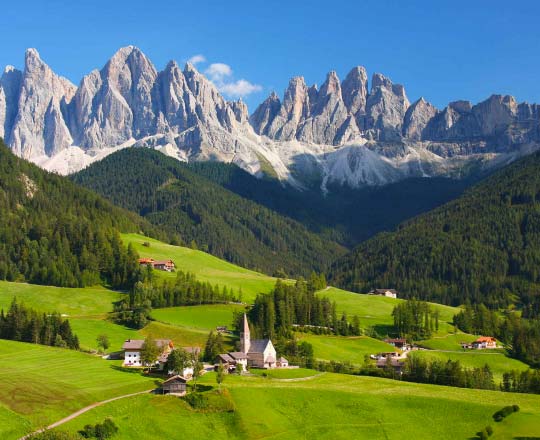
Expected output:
(417, 118)
(342, 132)
(42, 94)
(385, 109)
(263, 116)
(10, 87)
(355, 92)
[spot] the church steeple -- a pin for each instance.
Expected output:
(245, 337)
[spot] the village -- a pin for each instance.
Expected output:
(254, 353)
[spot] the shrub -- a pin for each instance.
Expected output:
(197, 400)
(505, 412)
(101, 431)
(489, 430)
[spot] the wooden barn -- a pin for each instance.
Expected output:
(176, 385)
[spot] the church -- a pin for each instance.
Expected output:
(258, 353)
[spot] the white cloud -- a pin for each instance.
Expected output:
(196, 59)
(220, 73)
(239, 88)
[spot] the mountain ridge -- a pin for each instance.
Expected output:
(346, 132)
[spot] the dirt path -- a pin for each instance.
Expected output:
(82, 411)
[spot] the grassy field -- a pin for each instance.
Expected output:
(327, 406)
(376, 311)
(205, 317)
(205, 266)
(88, 330)
(286, 373)
(497, 361)
(89, 301)
(44, 384)
(339, 348)
(449, 342)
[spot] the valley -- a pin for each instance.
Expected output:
(70, 377)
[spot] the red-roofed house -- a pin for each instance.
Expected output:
(485, 342)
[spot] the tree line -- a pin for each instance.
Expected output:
(483, 247)
(54, 232)
(193, 209)
(276, 313)
(26, 325)
(184, 290)
(415, 319)
(520, 335)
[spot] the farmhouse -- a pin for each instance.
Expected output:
(175, 385)
(166, 265)
(132, 351)
(389, 293)
(485, 342)
(399, 343)
(390, 362)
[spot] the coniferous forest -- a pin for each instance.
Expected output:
(483, 247)
(56, 233)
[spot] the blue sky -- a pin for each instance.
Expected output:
(442, 50)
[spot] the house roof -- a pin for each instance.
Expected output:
(159, 262)
(384, 290)
(282, 359)
(384, 362)
(224, 357)
(238, 355)
(396, 341)
(176, 378)
(137, 344)
(258, 345)
(192, 350)
(146, 260)
(485, 339)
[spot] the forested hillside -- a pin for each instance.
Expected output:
(202, 213)
(482, 247)
(348, 216)
(55, 232)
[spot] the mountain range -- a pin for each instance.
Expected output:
(350, 133)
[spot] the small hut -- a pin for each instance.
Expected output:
(176, 385)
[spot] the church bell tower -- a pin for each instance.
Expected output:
(245, 337)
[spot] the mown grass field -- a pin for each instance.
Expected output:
(376, 311)
(497, 361)
(449, 342)
(285, 373)
(328, 406)
(44, 384)
(205, 266)
(88, 330)
(345, 349)
(205, 317)
(88, 301)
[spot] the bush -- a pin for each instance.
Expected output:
(100, 431)
(197, 400)
(482, 435)
(489, 430)
(505, 412)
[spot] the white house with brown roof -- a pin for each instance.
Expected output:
(388, 293)
(132, 351)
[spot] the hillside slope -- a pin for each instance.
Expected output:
(55, 232)
(348, 216)
(483, 247)
(228, 226)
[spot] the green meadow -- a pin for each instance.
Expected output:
(88, 301)
(205, 266)
(497, 361)
(44, 384)
(376, 311)
(326, 406)
(450, 342)
(205, 317)
(344, 349)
